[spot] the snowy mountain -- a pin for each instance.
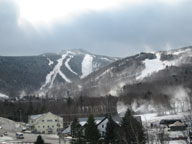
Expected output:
(131, 71)
(23, 75)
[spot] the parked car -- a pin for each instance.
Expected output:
(19, 135)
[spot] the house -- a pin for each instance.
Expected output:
(47, 123)
(101, 123)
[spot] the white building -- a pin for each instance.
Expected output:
(47, 123)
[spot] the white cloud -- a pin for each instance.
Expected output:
(46, 11)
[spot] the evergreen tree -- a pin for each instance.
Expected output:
(76, 132)
(133, 130)
(92, 134)
(110, 131)
(39, 140)
(75, 128)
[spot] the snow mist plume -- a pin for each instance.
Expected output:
(140, 106)
(22, 94)
(180, 98)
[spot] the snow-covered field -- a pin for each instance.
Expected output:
(154, 65)
(10, 125)
(57, 70)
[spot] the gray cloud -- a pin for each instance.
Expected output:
(123, 32)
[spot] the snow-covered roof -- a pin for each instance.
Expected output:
(86, 118)
(33, 117)
(67, 130)
(83, 121)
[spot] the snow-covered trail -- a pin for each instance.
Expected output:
(153, 65)
(87, 65)
(68, 66)
(57, 70)
(50, 61)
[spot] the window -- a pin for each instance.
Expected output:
(52, 126)
(103, 133)
(102, 126)
(43, 120)
(56, 120)
(49, 120)
(43, 126)
(48, 126)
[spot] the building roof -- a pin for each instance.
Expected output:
(83, 121)
(98, 121)
(34, 117)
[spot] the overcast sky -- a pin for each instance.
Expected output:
(107, 27)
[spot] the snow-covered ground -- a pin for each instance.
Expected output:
(153, 65)
(105, 72)
(177, 142)
(87, 65)
(57, 70)
(50, 61)
(68, 66)
(10, 125)
(6, 138)
(154, 117)
(103, 58)
(31, 138)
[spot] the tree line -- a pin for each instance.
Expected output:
(68, 108)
